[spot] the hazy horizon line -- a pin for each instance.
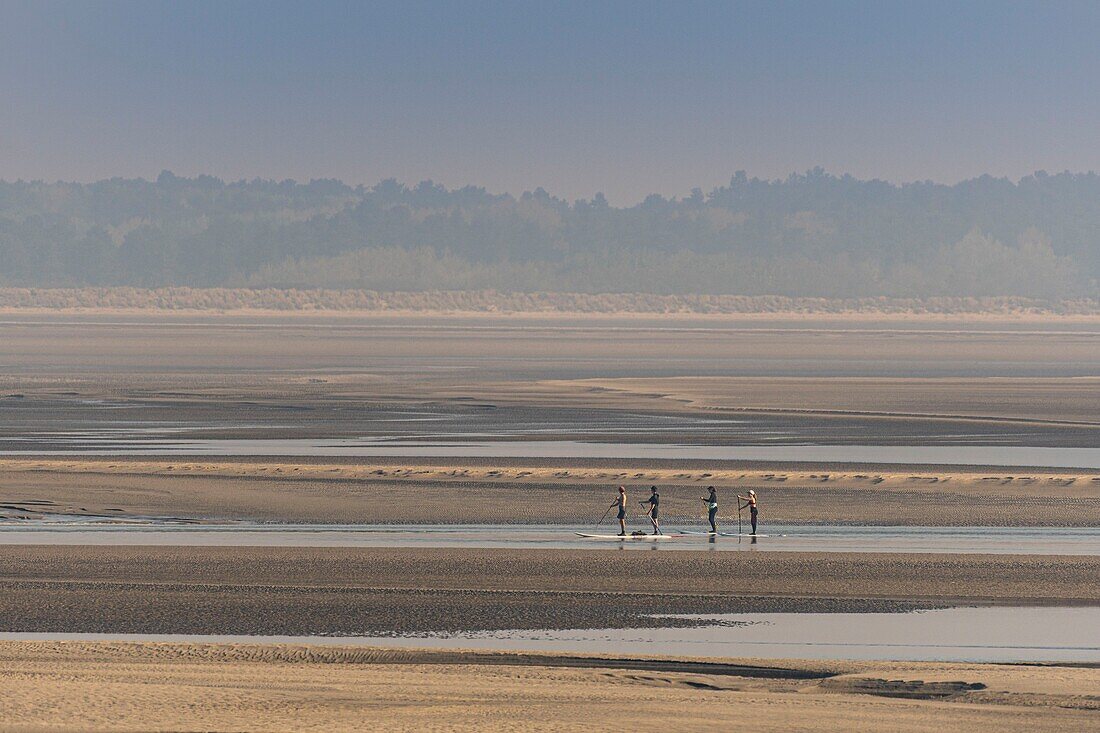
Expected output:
(738, 174)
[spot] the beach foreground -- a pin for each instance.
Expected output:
(129, 687)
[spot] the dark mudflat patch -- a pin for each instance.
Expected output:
(904, 689)
(240, 609)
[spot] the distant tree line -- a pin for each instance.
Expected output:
(808, 235)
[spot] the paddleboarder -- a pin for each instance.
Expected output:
(750, 502)
(712, 508)
(653, 503)
(621, 503)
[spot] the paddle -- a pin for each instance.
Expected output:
(604, 516)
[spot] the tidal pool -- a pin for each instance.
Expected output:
(962, 634)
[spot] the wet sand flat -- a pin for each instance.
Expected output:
(111, 686)
(431, 401)
(447, 491)
(1011, 399)
(135, 413)
(371, 591)
(74, 379)
(544, 347)
(845, 381)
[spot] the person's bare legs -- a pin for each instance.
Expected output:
(622, 526)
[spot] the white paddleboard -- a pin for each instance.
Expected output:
(638, 537)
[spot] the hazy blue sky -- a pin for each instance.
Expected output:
(578, 97)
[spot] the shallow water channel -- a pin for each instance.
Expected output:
(964, 634)
(788, 538)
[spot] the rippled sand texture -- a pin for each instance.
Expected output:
(131, 687)
(370, 591)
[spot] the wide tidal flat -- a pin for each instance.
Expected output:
(943, 447)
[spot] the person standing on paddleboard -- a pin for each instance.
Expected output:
(653, 503)
(621, 503)
(712, 508)
(750, 502)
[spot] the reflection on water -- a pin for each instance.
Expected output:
(983, 634)
(786, 538)
(985, 455)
